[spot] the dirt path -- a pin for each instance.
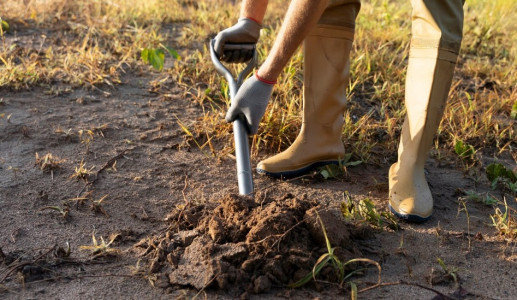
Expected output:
(158, 174)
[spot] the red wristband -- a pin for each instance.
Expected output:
(264, 80)
(255, 20)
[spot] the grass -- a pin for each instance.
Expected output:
(101, 248)
(363, 212)
(97, 205)
(63, 211)
(85, 49)
(505, 222)
(95, 48)
(49, 46)
(340, 268)
(48, 162)
(82, 172)
(502, 177)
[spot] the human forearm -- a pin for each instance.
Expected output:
(300, 19)
(254, 9)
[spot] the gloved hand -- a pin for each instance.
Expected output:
(246, 31)
(251, 102)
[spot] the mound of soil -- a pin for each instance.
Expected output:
(245, 245)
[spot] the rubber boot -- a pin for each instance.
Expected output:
(437, 32)
(326, 73)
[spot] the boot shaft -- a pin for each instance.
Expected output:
(326, 75)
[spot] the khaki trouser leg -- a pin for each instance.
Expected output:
(436, 38)
(326, 72)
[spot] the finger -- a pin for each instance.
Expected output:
(225, 56)
(243, 56)
(236, 56)
(229, 56)
(219, 45)
(251, 54)
(245, 116)
(252, 127)
(240, 56)
(246, 55)
(230, 115)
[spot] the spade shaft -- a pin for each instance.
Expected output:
(240, 132)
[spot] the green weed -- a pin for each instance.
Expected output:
(63, 211)
(330, 259)
(451, 272)
(4, 27)
(483, 198)
(333, 170)
(364, 212)
(513, 113)
(110, 37)
(464, 150)
(505, 222)
(156, 56)
(499, 175)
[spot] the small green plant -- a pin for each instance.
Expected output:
(364, 211)
(464, 151)
(330, 171)
(5, 26)
(483, 198)
(156, 56)
(333, 170)
(101, 249)
(63, 211)
(451, 272)
(513, 114)
(505, 222)
(331, 259)
(499, 175)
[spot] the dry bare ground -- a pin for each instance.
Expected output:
(130, 205)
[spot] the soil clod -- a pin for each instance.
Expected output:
(244, 245)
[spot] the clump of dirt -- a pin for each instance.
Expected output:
(245, 245)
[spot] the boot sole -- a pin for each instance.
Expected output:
(298, 172)
(408, 217)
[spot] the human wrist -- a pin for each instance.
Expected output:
(265, 79)
(256, 20)
(249, 26)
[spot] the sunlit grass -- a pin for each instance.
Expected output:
(97, 46)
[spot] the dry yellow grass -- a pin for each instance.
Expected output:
(97, 45)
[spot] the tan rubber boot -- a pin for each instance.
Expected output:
(326, 69)
(326, 73)
(437, 32)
